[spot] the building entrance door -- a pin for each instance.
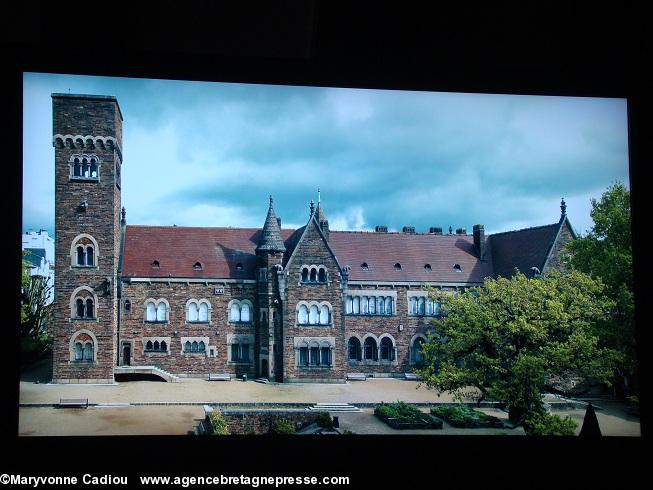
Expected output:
(264, 368)
(126, 354)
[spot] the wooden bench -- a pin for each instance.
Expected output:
(356, 377)
(73, 402)
(219, 377)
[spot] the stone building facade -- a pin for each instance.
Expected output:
(304, 305)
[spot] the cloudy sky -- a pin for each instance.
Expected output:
(209, 154)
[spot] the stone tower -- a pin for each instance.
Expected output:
(87, 140)
(269, 258)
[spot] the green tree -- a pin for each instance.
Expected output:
(606, 253)
(35, 314)
(506, 340)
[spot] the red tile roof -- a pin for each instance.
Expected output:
(178, 248)
(381, 251)
(219, 250)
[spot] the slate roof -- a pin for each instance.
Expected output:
(522, 249)
(270, 237)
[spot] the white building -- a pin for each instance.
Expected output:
(40, 253)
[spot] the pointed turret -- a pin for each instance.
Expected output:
(271, 240)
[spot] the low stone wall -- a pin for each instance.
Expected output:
(261, 421)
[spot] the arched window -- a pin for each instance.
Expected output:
(88, 351)
(305, 274)
(413, 305)
(81, 256)
(313, 275)
(77, 168)
(365, 305)
(244, 313)
(388, 305)
(156, 345)
(322, 276)
(93, 174)
(90, 311)
(149, 345)
(150, 312)
(420, 306)
(314, 355)
(357, 305)
(204, 312)
(86, 167)
(193, 346)
(235, 312)
(303, 356)
(187, 346)
(79, 351)
(313, 315)
(349, 307)
(302, 315)
(387, 349)
(79, 308)
(83, 251)
(193, 312)
(324, 315)
(128, 306)
(354, 349)
(240, 351)
(201, 346)
(164, 346)
(325, 356)
(418, 354)
(371, 352)
(380, 305)
(161, 312)
(89, 256)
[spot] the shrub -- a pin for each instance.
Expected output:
(283, 426)
(543, 424)
(401, 411)
(219, 424)
(324, 420)
(463, 415)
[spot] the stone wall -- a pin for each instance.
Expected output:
(262, 421)
(133, 326)
(312, 250)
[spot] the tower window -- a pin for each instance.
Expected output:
(84, 167)
(83, 251)
(197, 266)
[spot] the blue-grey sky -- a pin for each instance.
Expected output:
(209, 154)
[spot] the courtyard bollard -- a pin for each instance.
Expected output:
(244, 377)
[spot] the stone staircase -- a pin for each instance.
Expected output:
(169, 377)
(333, 407)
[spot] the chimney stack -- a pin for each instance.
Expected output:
(461, 231)
(381, 229)
(479, 241)
(408, 229)
(436, 230)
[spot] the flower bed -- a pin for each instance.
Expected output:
(465, 417)
(401, 415)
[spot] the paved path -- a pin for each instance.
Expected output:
(200, 391)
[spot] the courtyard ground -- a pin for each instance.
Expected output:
(156, 408)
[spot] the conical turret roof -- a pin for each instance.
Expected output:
(320, 214)
(271, 240)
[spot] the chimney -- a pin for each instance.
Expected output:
(436, 230)
(479, 241)
(408, 229)
(461, 231)
(381, 229)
